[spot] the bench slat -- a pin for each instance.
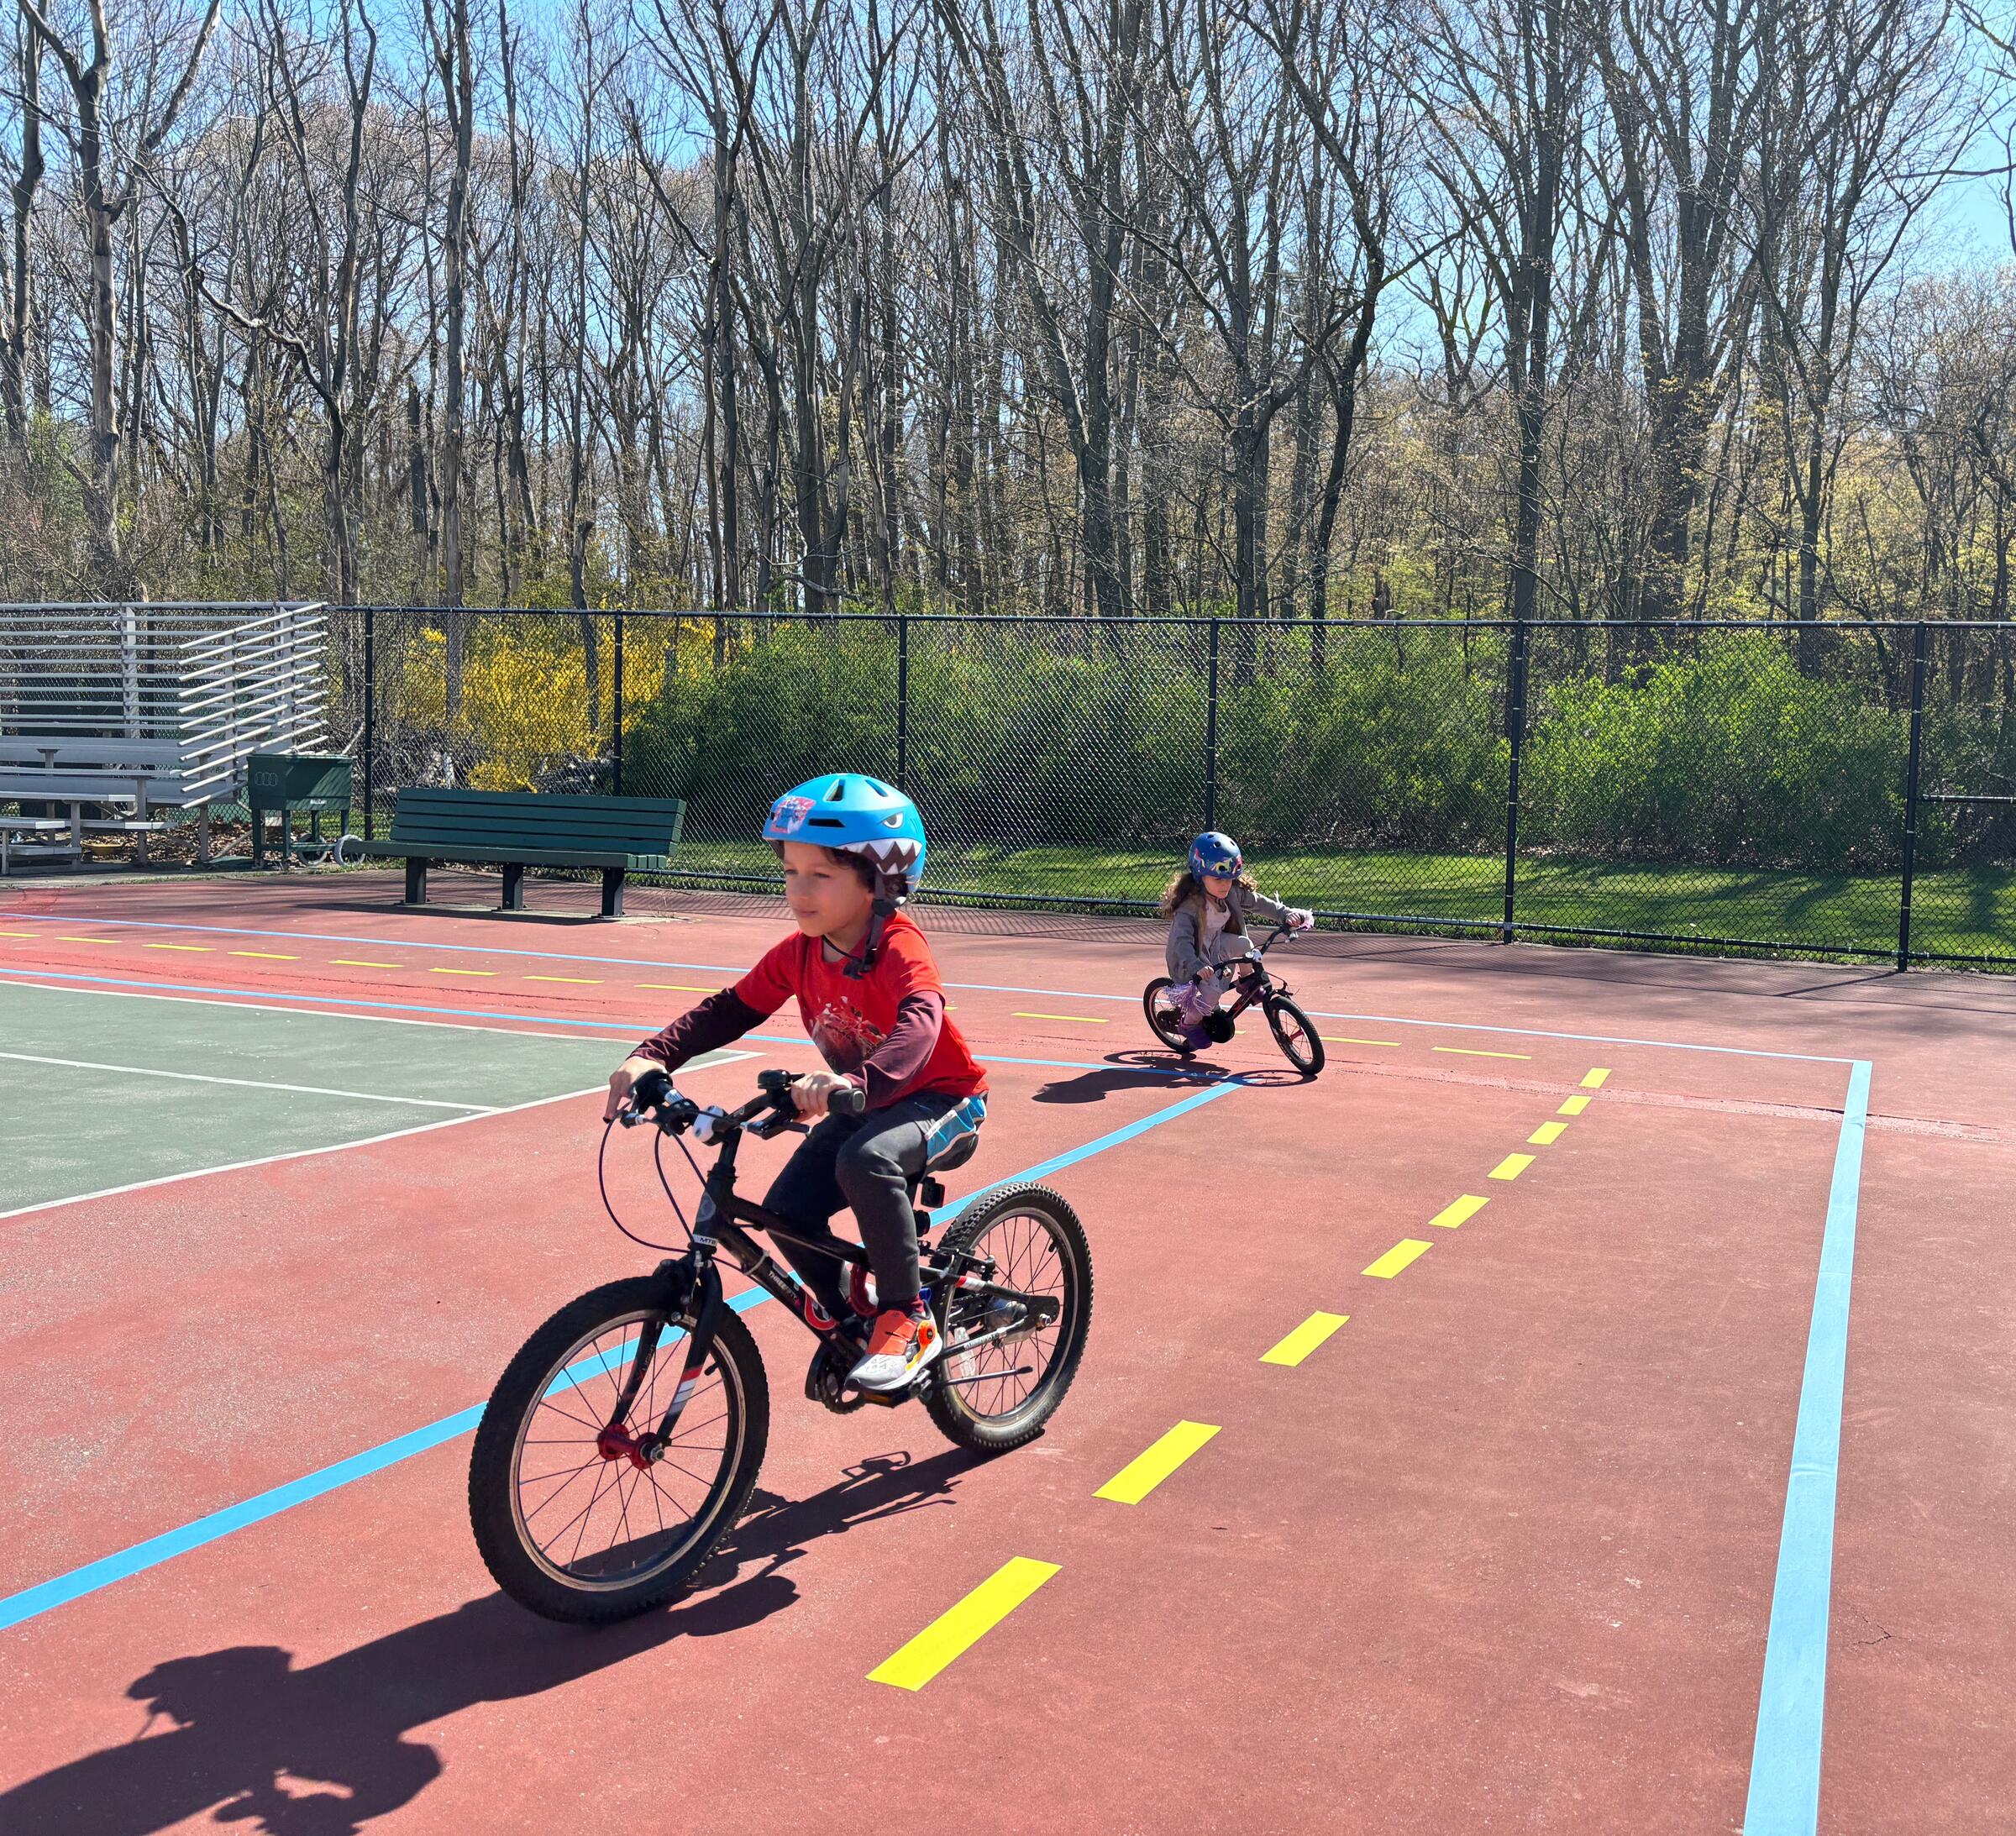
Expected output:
(529, 857)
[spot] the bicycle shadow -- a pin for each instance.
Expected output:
(1130, 1070)
(323, 1749)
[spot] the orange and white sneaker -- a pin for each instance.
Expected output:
(898, 1349)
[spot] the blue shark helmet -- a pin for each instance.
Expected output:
(856, 815)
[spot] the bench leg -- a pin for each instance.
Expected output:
(514, 886)
(612, 892)
(416, 881)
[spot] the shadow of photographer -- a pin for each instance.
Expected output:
(323, 1749)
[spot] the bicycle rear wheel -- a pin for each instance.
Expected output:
(1006, 1364)
(1159, 1002)
(1297, 1038)
(579, 1534)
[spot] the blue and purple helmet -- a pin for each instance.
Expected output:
(853, 813)
(1216, 853)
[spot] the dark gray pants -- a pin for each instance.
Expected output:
(869, 1163)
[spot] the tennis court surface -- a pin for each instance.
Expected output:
(1584, 1407)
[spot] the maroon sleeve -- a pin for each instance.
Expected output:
(707, 1027)
(900, 1060)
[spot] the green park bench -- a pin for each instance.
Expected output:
(521, 829)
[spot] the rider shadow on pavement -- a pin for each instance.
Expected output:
(1156, 1071)
(323, 1749)
(1131, 1071)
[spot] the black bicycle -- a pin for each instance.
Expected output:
(622, 1442)
(1254, 985)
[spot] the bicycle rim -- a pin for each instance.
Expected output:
(1001, 1378)
(1164, 1021)
(608, 1526)
(1296, 1037)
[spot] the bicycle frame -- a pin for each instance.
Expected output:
(693, 1282)
(1256, 981)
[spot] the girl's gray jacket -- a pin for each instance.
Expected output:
(1185, 954)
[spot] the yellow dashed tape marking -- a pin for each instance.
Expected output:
(1511, 1166)
(432, 970)
(1465, 1209)
(1335, 1039)
(1547, 1134)
(1573, 1106)
(1406, 1251)
(1597, 1078)
(360, 963)
(1076, 1020)
(679, 987)
(964, 1625)
(1305, 1338)
(88, 940)
(1470, 1051)
(194, 949)
(581, 981)
(269, 955)
(1140, 1475)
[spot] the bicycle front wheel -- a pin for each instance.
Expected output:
(577, 1532)
(1299, 1040)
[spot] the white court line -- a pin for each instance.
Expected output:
(339, 1147)
(249, 1083)
(9, 979)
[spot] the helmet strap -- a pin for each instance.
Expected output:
(860, 965)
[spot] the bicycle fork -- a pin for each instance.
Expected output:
(616, 1442)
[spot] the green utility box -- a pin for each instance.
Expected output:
(316, 784)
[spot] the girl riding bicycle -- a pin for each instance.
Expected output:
(1207, 904)
(869, 994)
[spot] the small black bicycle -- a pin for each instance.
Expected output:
(1254, 985)
(622, 1442)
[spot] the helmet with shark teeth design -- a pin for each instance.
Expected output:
(856, 815)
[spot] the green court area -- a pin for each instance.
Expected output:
(102, 1091)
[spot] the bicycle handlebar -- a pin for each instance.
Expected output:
(653, 1099)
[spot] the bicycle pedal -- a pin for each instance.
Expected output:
(931, 1195)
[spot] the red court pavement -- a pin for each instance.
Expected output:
(1499, 1554)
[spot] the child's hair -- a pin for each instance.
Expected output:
(864, 868)
(1184, 884)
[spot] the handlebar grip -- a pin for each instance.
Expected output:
(650, 1090)
(848, 1101)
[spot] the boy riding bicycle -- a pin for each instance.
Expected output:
(869, 994)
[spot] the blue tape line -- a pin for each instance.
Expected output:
(93, 1576)
(156, 1549)
(1785, 1762)
(1043, 1169)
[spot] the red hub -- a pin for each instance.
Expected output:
(613, 1444)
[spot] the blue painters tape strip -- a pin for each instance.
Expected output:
(1785, 1761)
(156, 1549)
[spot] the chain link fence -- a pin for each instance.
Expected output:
(1727, 786)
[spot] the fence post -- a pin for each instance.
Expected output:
(903, 701)
(1516, 733)
(615, 703)
(1918, 728)
(370, 713)
(1211, 734)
